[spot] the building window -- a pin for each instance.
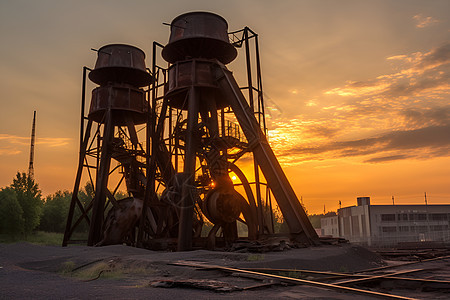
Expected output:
(388, 217)
(438, 227)
(419, 228)
(438, 217)
(403, 228)
(389, 229)
(417, 217)
(402, 217)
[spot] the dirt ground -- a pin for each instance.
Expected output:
(80, 272)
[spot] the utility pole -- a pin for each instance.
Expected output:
(33, 137)
(428, 216)
(393, 203)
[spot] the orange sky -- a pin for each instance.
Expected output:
(357, 92)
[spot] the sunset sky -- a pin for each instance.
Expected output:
(357, 92)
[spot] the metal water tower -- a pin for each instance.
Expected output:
(117, 106)
(209, 127)
(201, 132)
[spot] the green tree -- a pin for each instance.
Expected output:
(54, 212)
(29, 198)
(85, 195)
(121, 195)
(11, 213)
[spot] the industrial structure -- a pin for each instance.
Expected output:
(33, 141)
(387, 225)
(179, 138)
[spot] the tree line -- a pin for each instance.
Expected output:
(23, 209)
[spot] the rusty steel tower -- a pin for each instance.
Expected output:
(203, 158)
(117, 106)
(208, 127)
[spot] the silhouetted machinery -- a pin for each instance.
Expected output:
(200, 133)
(118, 105)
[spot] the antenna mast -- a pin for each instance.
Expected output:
(33, 137)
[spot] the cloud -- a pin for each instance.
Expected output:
(423, 71)
(359, 88)
(436, 57)
(311, 102)
(422, 21)
(321, 130)
(428, 137)
(9, 151)
(53, 142)
(397, 57)
(414, 96)
(436, 116)
(14, 145)
(386, 158)
(399, 115)
(14, 139)
(424, 142)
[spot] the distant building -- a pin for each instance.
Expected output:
(378, 225)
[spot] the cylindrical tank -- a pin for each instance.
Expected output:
(125, 102)
(121, 64)
(199, 35)
(196, 72)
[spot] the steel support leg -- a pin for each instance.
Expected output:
(299, 225)
(95, 230)
(187, 205)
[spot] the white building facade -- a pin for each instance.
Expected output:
(384, 225)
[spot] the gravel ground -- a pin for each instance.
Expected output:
(48, 272)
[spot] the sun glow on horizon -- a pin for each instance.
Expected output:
(356, 93)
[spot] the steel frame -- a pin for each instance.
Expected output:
(167, 122)
(93, 143)
(179, 167)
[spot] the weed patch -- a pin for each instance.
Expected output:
(37, 237)
(112, 269)
(255, 257)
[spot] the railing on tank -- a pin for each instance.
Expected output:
(255, 95)
(242, 38)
